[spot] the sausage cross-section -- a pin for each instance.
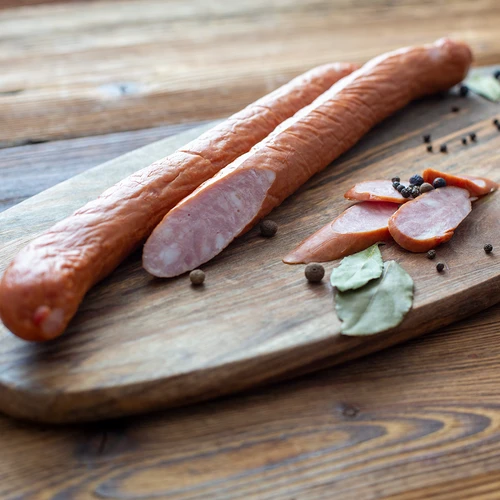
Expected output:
(355, 229)
(241, 194)
(430, 219)
(44, 285)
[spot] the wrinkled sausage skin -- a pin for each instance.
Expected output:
(42, 288)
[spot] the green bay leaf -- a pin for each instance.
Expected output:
(358, 269)
(379, 305)
(485, 85)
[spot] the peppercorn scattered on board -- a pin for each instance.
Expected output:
(139, 344)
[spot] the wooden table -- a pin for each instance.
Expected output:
(92, 80)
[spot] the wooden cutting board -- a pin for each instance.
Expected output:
(140, 343)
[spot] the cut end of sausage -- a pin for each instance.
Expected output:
(359, 227)
(430, 219)
(205, 222)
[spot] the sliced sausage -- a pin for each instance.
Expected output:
(43, 286)
(242, 193)
(377, 190)
(477, 186)
(355, 229)
(430, 219)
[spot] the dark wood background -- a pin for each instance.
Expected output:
(99, 78)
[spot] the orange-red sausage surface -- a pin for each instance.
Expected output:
(430, 219)
(230, 203)
(477, 186)
(42, 288)
(355, 229)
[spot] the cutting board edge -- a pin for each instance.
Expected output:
(54, 407)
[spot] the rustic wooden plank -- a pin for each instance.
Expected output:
(418, 421)
(7, 4)
(28, 170)
(75, 69)
(244, 326)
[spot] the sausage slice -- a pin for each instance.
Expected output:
(477, 186)
(377, 190)
(355, 229)
(241, 194)
(430, 219)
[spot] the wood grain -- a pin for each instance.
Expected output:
(418, 421)
(248, 446)
(138, 344)
(7, 4)
(85, 68)
(276, 442)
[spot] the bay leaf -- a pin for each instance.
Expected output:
(358, 269)
(379, 305)
(485, 85)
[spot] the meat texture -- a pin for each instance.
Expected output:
(43, 286)
(430, 219)
(357, 228)
(377, 190)
(241, 194)
(477, 186)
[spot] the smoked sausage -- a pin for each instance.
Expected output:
(244, 192)
(44, 285)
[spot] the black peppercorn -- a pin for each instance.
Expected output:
(197, 277)
(395, 179)
(455, 109)
(496, 74)
(427, 138)
(439, 182)
(429, 148)
(415, 191)
(463, 90)
(406, 193)
(443, 148)
(396, 184)
(431, 254)
(496, 122)
(268, 228)
(488, 248)
(314, 272)
(416, 180)
(473, 136)
(464, 141)
(440, 267)
(400, 188)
